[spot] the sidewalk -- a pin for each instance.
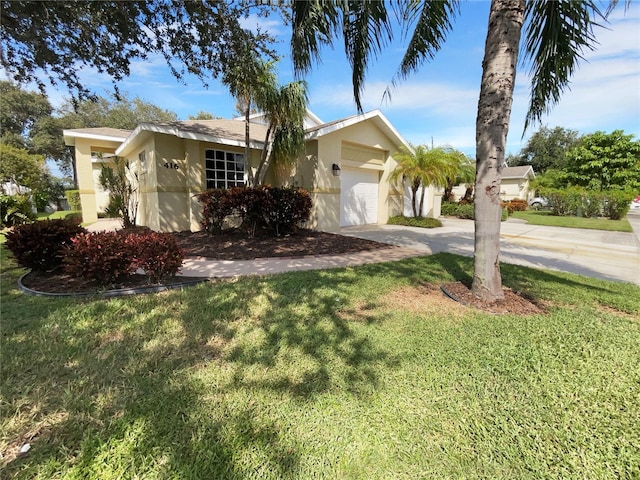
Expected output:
(608, 255)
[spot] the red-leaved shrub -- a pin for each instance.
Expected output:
(101, 257)
(278, 209)
(158, 254)
(40, 245)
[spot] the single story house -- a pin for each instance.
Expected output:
(514, 184)
(345, 167)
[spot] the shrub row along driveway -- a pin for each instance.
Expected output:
(594, 253)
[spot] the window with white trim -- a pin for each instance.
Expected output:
(224, 169)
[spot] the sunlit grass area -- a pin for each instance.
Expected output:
(59, 214)
(544, 217)
(359, 373)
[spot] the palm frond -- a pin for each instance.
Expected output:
(366, 30)
(433, 21)
(314, 25)
(557, 35)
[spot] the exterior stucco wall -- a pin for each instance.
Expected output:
(92, 197)
(359, 146)
(173, 174)
(514, 188)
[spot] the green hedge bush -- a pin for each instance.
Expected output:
(15, 210)
(73, 197)
(578, 202)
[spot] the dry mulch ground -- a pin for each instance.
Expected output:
(237, 246)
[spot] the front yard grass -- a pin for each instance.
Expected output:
(544, 217)
(422, 222)
(355, 373)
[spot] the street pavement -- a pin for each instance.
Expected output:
(594, 253)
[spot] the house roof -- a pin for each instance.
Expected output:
(225, 132)
(310, 119)
(518, 172)
(375, 115)
(101, 133)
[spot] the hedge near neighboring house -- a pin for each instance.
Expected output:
(579, 202)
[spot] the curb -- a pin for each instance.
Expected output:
(120, 292)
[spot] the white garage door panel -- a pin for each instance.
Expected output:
(358, 197)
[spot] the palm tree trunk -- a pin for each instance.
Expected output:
(265, 158)
(247, 139)
(421, 200)
(492, 125)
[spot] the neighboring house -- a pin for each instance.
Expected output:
(514, 184)
(345, 168)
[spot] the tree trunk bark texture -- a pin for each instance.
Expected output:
(492, 126)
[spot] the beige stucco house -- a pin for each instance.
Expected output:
(514, 184)
(345, 167)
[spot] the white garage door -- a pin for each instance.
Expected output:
(358, 197)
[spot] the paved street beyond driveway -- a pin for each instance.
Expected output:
(594, 253)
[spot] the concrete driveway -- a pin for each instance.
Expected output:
(594, 253)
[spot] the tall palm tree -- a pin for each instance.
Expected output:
(250, 79)
(285, 109)
(556, 34)
(422, 166)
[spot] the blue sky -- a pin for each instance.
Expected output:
(438, 103)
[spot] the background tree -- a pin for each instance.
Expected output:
(546, 148)
(54, 40)
(556, 34)
(115, 112)
(21, 168)
(202, 115)
(422, 166)
(604, 161)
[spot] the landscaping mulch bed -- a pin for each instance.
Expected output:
(235, 245)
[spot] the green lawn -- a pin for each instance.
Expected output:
(544, 217)
(359, 373)
(59, 214)
(422, 222)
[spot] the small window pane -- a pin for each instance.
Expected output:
(209, 154)
(211, 164)
(219, 155)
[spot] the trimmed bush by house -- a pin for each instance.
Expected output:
(415, 222)
(107, 257)
(101, 257)
(158, 254)
(515, 205)
(41, 245)
(279, 210)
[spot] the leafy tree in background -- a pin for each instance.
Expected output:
(56, 40)
(604, 161)
(20, 167)
(202, 115)
(117, 112)
(555, 36)
(546, 148)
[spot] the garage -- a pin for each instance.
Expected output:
(358, 197)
